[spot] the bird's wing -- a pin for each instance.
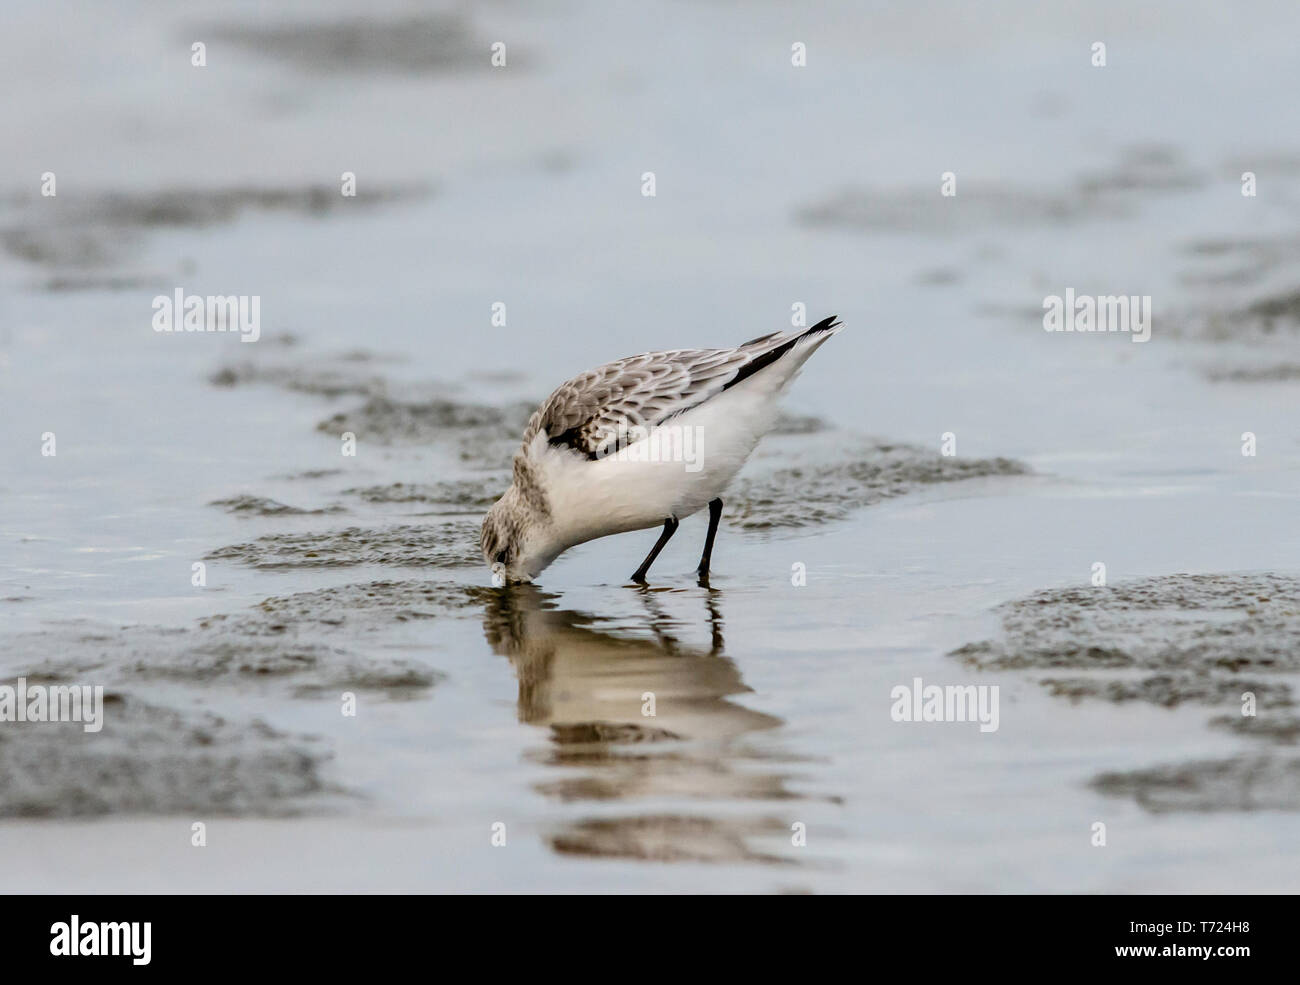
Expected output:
(607, 404)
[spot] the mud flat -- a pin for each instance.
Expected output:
(156, 758)
(150, 759)
(445, 545)
(91, 242)
(448, 496)
(1230, 642)
(1244, 783)
(301, 645)
(262, 506)
(418, 45)
(1120, 190)
(868, 472)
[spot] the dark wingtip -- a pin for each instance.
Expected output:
(825, 325)
(772, 355)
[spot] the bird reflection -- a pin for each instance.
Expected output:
(639, 718)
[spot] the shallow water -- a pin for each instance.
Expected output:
(329, 574)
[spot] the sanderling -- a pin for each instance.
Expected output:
(640, 442)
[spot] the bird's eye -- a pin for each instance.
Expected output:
(501, 557)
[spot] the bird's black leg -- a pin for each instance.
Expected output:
(715, 514)
(670, 528)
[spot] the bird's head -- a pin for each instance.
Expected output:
(514, 542)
